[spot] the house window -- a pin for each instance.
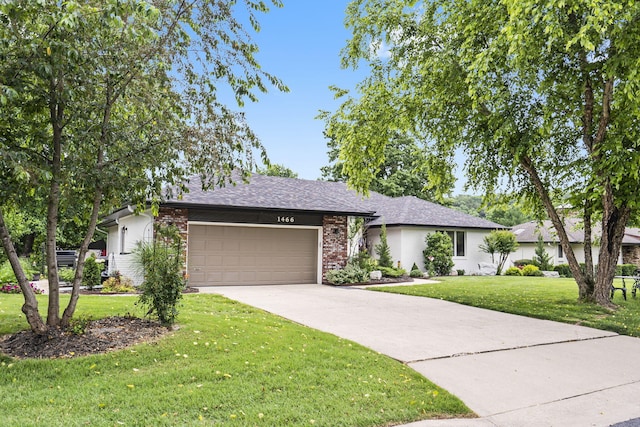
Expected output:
(458, 238)
(560, 252)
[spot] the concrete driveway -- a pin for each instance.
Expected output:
(511, 370)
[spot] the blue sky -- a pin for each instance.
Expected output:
(300, 44)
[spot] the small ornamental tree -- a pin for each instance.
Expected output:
(383, 250)
(161, 264)
(438, 255)
(542, 258)
(92, 270)
(502, 243)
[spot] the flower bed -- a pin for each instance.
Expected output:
(12, 288)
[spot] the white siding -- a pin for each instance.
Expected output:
(407, 244)
(121, 243)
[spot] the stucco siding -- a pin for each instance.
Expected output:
(122, 240)
(407, 244)
(528, 251)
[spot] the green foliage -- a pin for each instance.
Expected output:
(92, 271)
(79, 324)
(161, 264)
(513, 271)
(118, 284)
(118, 102)
(416, 273)
(563, 270)
(383, 250)
(494, 88)
(626, 270)
(522, 262)
(404, 171)
(364, 261)
(274, 169)
(542, 258)
(393, 272)
(501, 243)
(7, 275)
(438, 255)
(460, 272)
(531, 270)
(66, 274)
(350, 274)
(415, 267)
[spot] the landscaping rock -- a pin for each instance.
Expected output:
(551, 274)
(375, 275)
(487, 269)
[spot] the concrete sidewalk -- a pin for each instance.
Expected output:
(511, 370)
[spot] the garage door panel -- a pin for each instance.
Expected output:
(230, 255)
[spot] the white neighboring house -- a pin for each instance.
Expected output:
(527, 236)
(409, 219)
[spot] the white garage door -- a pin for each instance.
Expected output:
(229, 255)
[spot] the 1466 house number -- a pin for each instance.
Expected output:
(286, 219)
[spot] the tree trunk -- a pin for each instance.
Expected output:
(614, 222)
(30, 306)
(56, 111)
(77, 280)
(586, 292)
(585, 286)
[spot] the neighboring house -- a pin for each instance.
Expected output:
(276, 230)
(527, 236)
(409, 219)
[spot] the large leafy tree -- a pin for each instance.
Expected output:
(542, 96)
(108, 101)
(402, 171)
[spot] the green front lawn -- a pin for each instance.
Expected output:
(228, 364)
(544, 298)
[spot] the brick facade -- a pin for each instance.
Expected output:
(631, 255)
(335, 243)
(179, 218)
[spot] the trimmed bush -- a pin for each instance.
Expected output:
(392, 272)
(522, 262)
(351, 273)
(563, 270)
(513, 271)
(438, 255)
(118, 284)
(66, 274)
(460, 272)
(91, 273)
(531, 270)
(416, 273)
(626, 269)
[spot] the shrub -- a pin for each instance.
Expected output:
(6, 272)
(383, 250)
(626, 269)
(531, 270)
(78, 325)
(392, 272)
(460, 272)
(416, 273)
(563, 270)
(364, 261)
(91, 273)
(542, 258)
(522, 262)
(161, 265)
(513, 271)
(415, 267)
(118, 284)
(66, 274)
(438, 255)
(351, 273)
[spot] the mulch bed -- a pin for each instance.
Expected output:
(100, 336)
